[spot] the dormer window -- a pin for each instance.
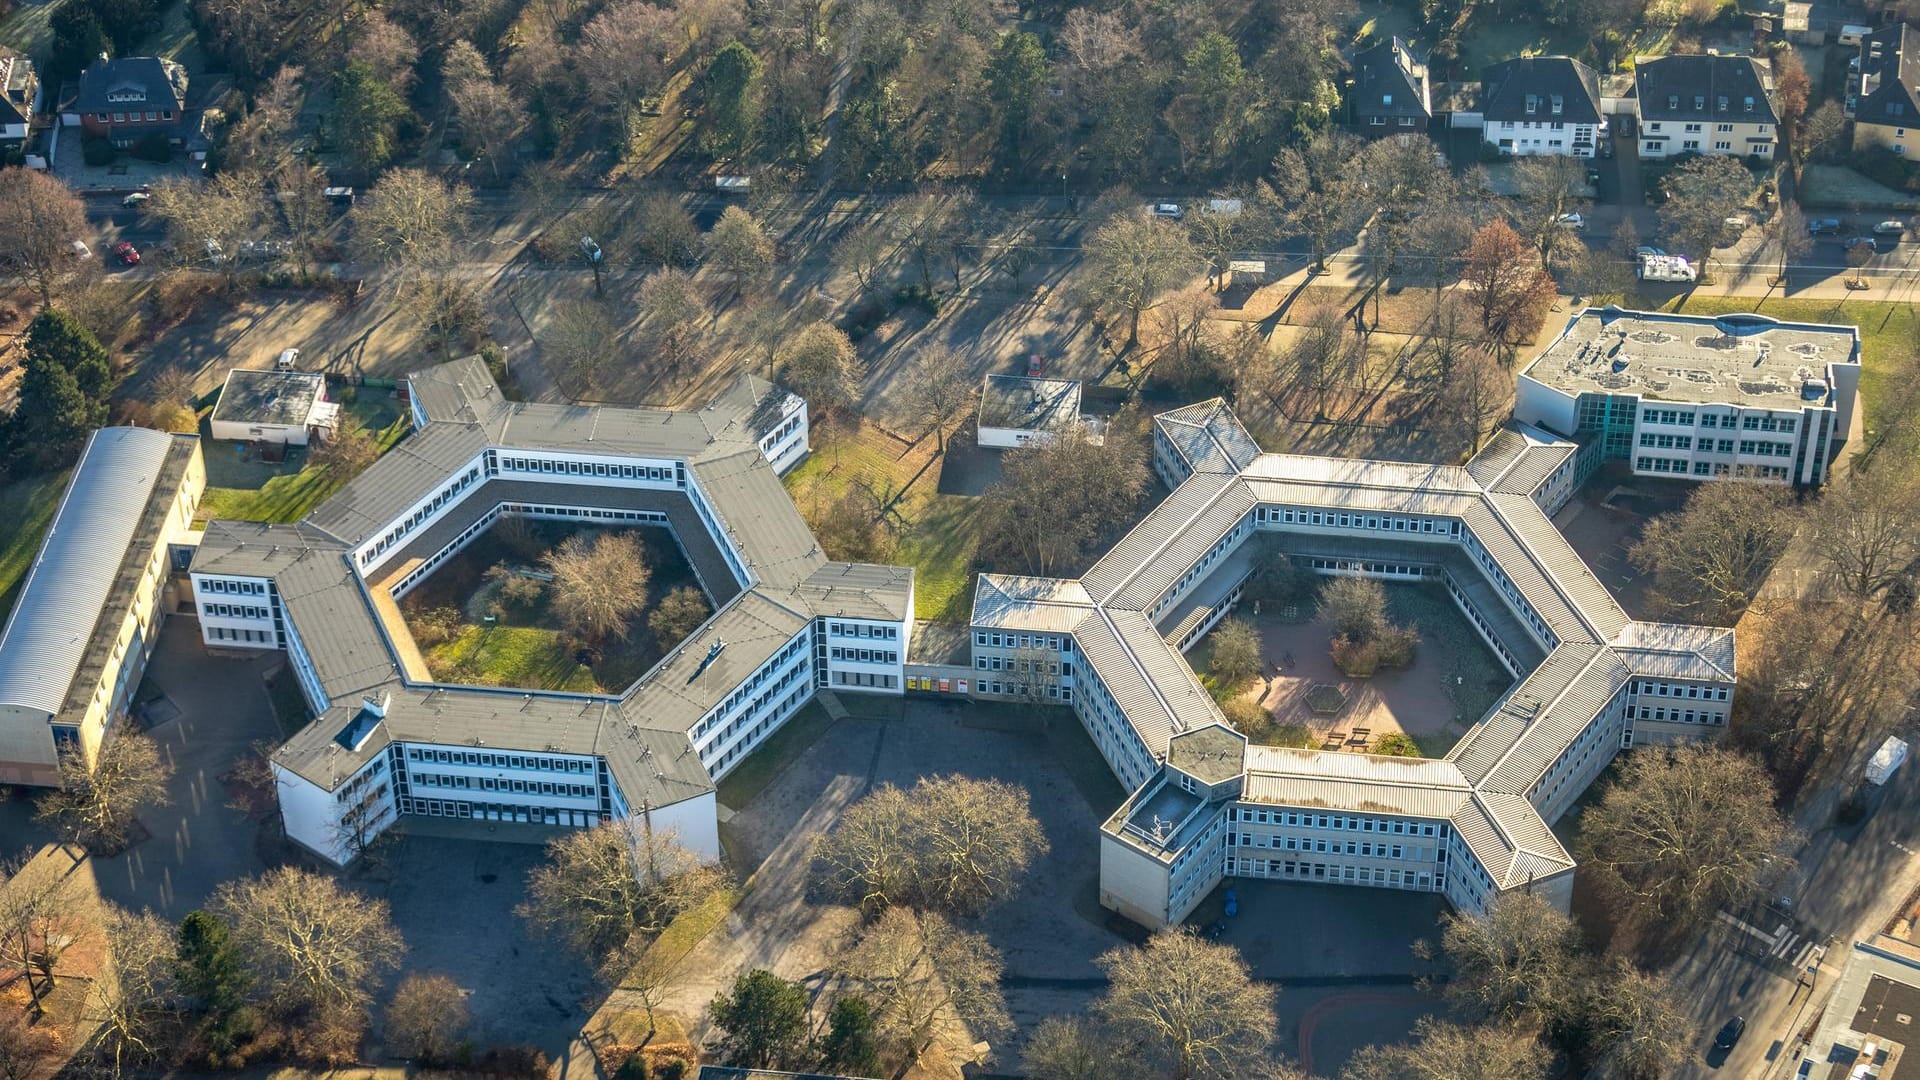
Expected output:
(1699, 101)
(1749, 104)
(1673, 101)
(1533, 104)
(1559, 104)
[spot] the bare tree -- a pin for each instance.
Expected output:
(208, 222)
(41, 218)
(664, 231)
(1520, 961)
(311, 944)
(949, 844)
(414, 224)
(36, 901)
(427, 1015)
(95, 807)
(738, 247)
(1236, 652)
(1474, 397)
(678, 614)
(1702, 193)
(1324, 199)
(581, 340)
(1056, 500)
(1709, 559)
(1032, 675)
(1456, 1053)
(599, 583)
(942, 386)
(924, 978)
(133, 990)
(1683, 832)
(673, 315)
(1133, 260)
(1355, 606)
(491, 118)
(1225, 226)
(262, 140)
(1188, 357)
(623, 56)
(1188, 1006)
(300, 195)
(1866, 529)
(26, 1047)
(1069, 1048)
(1637, 1023)
(821, 366)
(861, 251)
(1787, 235)
(601, 886)
(350, 450)
(1548, 187)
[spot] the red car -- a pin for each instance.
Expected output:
(127, 253)
(1036, 367)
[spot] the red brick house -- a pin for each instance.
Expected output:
(128, 99)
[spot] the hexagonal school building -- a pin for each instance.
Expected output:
(1206, 805)
(389, 741)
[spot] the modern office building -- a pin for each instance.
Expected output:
(90, 608)
(1206, 805)
(390, 741)
(1697, 396)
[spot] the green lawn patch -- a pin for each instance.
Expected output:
(529, 656)
(755, 771)
(937, 533)
(242, 488)
(690, 926)
(26, 510)
(29, 29)
(289, 704)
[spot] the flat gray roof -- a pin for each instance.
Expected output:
(94, 552)
(1016, 401)
(283, 398)
(1747, 360)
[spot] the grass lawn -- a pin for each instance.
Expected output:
(29, 28)
(1887, 331)
(937, 533)
(26, 509)
(528, 647)
(240, 488)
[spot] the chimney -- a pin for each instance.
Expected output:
(377, 709)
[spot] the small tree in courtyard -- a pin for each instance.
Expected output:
(599, 582)
(1236, 652)
(96, 806)
(765, 1020)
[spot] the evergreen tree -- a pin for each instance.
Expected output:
(366, 116)
(64, 394)
(211, 976)
(849, 1045)
(765, 1018)
(1014, 77)
(733, 101)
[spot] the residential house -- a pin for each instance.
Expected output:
(1705, 104)
(285, 407)
(1542, 105)
(1882, 98)
(19, 97)
(1389, 92)
(129, 99)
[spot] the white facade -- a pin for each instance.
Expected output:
(1671, 138)
(1532, 138)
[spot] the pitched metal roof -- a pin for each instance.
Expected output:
(81, 563)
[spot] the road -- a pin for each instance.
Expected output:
(1845, 885)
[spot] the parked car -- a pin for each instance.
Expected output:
(126, 253)
(80, 249)
(1869, 242)
(135, 198)
(1822, 226)
(288, 361)
(341, 195)
(262, 249)
(1645, 250)
(1571, 220)
(1168, 210)
(1593, 177)
(1730, 1033)
(1036, 367)
(1606, 149)
(1890, 228)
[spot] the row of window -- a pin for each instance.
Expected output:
(1292, 516)
(221, 633)
(1670, 442)
(747, 689)
(1364, 848)
(1687, 417)
(867, 679)
(884, 633)
(1014, 689)
(501, 761)
(588, 468)
(536, 815)
(1337, 822)
(488, 783)
(995, 638)
(865, 656)
(1392, 877)
(236, 611)
(151, 115)
(229, 585)
(1650, 688)
(1010, 663)
(759, 731)
(1765, 449)
(415, 519)
(1675, 716)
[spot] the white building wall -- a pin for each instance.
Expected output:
(999, 438)
(1706, 137)
(864, 655)
(235, 612)
(1532, 138)
(1133, 883)
(790, 440)
(1536, 403)
(311, 816)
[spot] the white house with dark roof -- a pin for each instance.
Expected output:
(389, 741)
(1018, 410)
(1540, 105)
(1883, 92)
(1705, 104)
(1206, 805)
(285, 407)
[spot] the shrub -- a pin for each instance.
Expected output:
(1396, 645)
(1356, 606)
(1358, 659)
(435, 626)
(1395, 744)
(175, 298)
(514, 1063)
(1886, 168)
(98, 152)
(1248, 717)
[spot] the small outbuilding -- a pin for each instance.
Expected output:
(1016, 410)
(285, 407)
